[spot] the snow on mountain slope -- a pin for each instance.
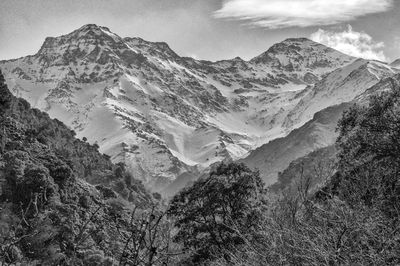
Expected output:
(318, 165)
(276, 155)
(302, 58)
(342, 85)
(396, 63)
(166, 115)
(319, 132)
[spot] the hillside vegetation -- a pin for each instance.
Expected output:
(342, 211)
(64, 203)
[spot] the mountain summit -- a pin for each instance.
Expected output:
(299, 54)
(168, 116)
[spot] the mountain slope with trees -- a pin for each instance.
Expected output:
(64, 203)
(167, 116)
(351, 218)
(52, 216)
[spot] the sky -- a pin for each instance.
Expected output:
(210, 29)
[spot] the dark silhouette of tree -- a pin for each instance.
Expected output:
(58, 196)
(210, 213)
(369, 153)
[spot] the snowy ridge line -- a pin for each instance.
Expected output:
(165, 115)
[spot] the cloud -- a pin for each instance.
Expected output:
(275, 14)
(397, 41)
(358, 44)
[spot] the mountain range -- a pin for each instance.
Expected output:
(169, 118)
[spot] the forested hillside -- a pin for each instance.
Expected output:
(61, 201)
(64, 203)
(337, 206)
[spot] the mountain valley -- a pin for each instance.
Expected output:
(168, 117)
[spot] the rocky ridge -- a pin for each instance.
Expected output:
(165, 115)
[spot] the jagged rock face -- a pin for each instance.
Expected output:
(302, 57)
(90, 54)
(166, 115)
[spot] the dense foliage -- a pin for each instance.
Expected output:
(210, 214)
(64, 203)
(369, 158)
(343, 213)
(317, 166)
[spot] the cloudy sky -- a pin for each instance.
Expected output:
(210, 29)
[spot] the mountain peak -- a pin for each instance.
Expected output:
(92, 28)
(299, 40)
(92, 31)
(89, 26)
(297, 45)
(299, 54)
(88, 31)
(86, 42)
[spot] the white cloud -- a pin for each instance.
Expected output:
(397, 41)
(301, 13)
(358, 44)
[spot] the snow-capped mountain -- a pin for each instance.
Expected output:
(341, 85)
(323, 105)
(165, 115)
(320, 163)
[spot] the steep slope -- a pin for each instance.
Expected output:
(302, 58)
(341, 85)
(319, 166)
(61, 201)
(396, 63)
(276, 155)
(319, 132)
(23, 128)
(162, 114)
(314, 169)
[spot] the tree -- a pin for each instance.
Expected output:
(211, 214)
(369, 148)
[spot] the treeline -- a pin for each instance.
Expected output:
(64, 203)
(344, 211)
